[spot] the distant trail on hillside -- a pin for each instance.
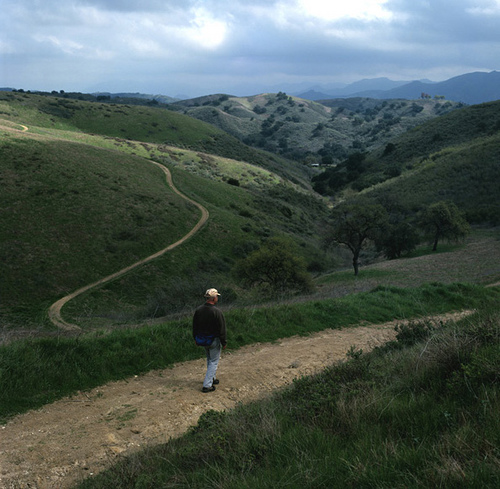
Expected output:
(55, 309)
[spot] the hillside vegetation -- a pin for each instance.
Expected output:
(80, 206)
(139, 123)
(318, 132)
(454, 157)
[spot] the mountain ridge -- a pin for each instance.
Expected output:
(469, 88)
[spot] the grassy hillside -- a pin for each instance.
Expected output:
(239, 221)
(140, 123)
(318, 132)
(73, 214)
(81, 206)
(455, 157)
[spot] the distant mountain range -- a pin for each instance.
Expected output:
(471, 88)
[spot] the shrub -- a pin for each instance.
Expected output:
(275, 268)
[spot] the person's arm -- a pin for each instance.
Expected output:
(222, 329)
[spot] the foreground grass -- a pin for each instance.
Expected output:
(419, 412)
(38, 371)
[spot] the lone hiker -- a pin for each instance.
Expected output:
(209, 331)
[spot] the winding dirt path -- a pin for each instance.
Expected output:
(55, 309)
(76, 437)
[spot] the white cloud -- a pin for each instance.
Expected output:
(66, 46)
(365, 10)
(489, 7)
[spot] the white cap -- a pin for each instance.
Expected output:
(211, 293)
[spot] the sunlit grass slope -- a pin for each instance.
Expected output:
(140, 123)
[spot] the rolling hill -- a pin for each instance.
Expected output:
(454, 157)
(81, 199)
(80, 202)
(142, 123)
(309, 131)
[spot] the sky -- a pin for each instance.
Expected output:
(240, 47)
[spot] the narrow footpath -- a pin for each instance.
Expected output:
(55, 310)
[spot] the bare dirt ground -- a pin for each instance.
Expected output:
(76, 437)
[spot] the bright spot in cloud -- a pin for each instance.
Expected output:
(350, 9)
(206, 31)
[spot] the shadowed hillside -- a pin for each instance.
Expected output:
(454, 157)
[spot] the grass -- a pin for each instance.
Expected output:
(76, 214)
(187, 272)
(82, 206)
(413, 414)
(37, 371)
(470, 261)
(140, 123)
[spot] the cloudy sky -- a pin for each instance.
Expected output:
(241, 47)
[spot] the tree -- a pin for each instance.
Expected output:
(400, 237)
(444, 220)
(275, 267)
(353, 225)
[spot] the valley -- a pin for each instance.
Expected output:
(151, 206)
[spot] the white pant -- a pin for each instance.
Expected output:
(213, 357)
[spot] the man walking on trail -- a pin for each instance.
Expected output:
(209, 331)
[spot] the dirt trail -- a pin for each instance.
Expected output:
(76, 437)
(55, 309)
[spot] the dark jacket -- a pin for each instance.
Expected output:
(209, 320)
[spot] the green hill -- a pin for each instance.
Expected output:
(82, 201)
(78, 207)
(454, 157)
(316, 132)
(140, 123)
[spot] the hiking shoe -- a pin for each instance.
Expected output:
(215, 381)
(208, 389)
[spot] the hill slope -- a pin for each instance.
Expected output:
(305, 130)
(80, 207)
(140, 123)
(455, 157)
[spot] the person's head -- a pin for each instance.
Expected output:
(212, 295)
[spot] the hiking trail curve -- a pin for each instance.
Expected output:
(55, 310)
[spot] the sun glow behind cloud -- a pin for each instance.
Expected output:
(205, 30)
